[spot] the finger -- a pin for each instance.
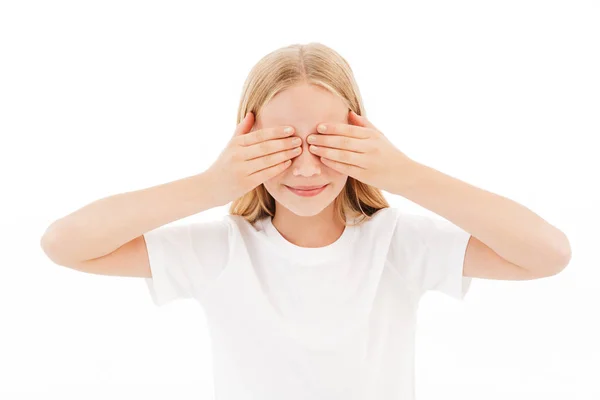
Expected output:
(354, 131)
(245, 125)
(343, 156)
(345, 169)
(270, 146)
(269, 160)
(261, 135)
(270, 172)
(339, 142)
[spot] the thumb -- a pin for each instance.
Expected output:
(245, 125)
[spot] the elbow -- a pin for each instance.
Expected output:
(563, 258)
(49, 244)
(46, 243)
(561, 254)
(565, 253)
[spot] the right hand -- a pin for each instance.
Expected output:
(251, 158)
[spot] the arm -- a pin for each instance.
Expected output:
(105, 225)
(509, 241)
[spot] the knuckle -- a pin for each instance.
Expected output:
(229, 157)
(238, 179)
(253, 181)
(268, 159)
(244, 155)
(345, 142)
(376, 150)
(365, 162)
(238, 170)
(344, 156)
(241, 140)
(234, 156)
(264, 147)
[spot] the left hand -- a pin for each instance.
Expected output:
(360, 150)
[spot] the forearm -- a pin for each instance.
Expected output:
(105, 225)
(513, 231)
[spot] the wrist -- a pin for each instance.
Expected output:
(211, 189)
(409, 174)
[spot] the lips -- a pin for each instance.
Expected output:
(306, 187)
(307, 192)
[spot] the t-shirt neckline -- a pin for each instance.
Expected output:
(310, 255)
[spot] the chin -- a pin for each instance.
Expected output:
(305, 211)
(301, 206)
(305, 206)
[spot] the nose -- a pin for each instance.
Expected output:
(306, 164)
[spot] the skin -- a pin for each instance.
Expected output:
(297, 218)
(508, 241)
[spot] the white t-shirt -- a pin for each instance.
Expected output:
(290, 322)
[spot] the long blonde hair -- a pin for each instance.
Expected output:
(316, 64)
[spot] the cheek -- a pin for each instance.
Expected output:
(268, 185)
(273, 184)
(338, 180)
(337, 177)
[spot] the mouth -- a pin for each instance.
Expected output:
(306, 190)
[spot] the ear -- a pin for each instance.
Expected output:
(245, 126)
(359, 120)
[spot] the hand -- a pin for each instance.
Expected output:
(251, 158)
(360, 150)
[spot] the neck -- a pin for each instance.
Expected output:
(315, 231)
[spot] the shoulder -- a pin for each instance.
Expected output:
(241, 224)
(409, 228)
(379, 228)
(240, 227)
(382, 216)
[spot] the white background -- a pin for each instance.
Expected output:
(99, 98)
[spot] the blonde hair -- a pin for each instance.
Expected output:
(316, 64)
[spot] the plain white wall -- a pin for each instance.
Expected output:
(98, 98)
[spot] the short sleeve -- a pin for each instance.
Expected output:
(185, 258)
(429, 252)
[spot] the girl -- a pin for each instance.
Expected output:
(311, 284)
